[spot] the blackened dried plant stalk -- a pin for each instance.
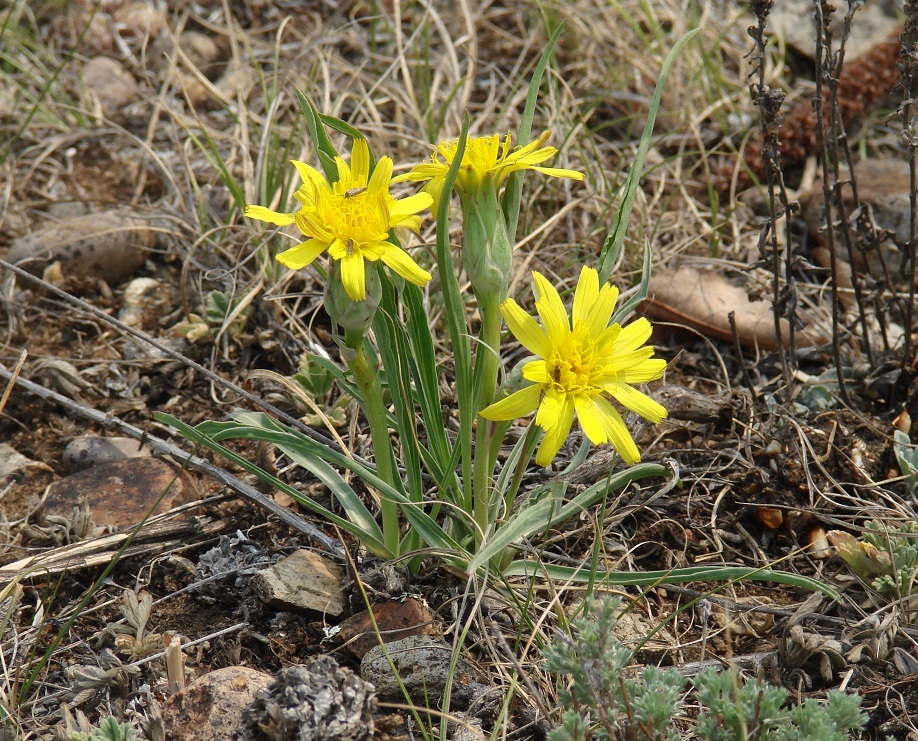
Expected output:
(769, 101)
(908, 71)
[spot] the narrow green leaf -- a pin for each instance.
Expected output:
(342, 127)
(259, 426)
(546, 512)
(323, 145)
(455, 319)
(593, 494)
(626, 309)
(393, 347)
(616, 236)
(560, 574)
(514, 188)
(423, 360)
(371, 536)
(528, 520)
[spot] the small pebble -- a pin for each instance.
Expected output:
(145, 301)
(140, 20)
(195, 50)
(423, 667)
(394, 619)
(303, 581)
(87, 451)
(237, 79)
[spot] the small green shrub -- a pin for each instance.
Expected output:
(109, 730)
(606, 703)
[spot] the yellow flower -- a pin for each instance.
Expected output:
(351, 219)
(485, 157)
(579, 366)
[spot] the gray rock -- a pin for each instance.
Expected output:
(422, 664)
(316, 701)
(111, 245)
(111, 83)
(87, 451)
(303, 581)
(198, 51)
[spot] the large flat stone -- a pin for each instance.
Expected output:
(120, 493)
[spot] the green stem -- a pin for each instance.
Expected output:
(486, 357)
(367, 380)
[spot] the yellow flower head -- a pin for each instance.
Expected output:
(351, 219)
(579, 365)
(485, 157)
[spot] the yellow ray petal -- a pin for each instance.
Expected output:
(518, 404)
(532, 146)
(409, 222)
(649, 370)
(559, 172)
(585, 295)
(556, 434)
(302, 254)
(382, 174)
(401, 263)
(308, 174)
(639, 403)
(344, 171)
(592, 418)
(424, 171)
(627, 361)
(434, 189)
(551, 310)
(633, 336)
(537, 371)
(407, 206)
(311, 224)
(360, 161)
(599, 314)
(551, 409)
(532, 154)
(266, 214)
(617, 432)
(526, 329)
(353, 276)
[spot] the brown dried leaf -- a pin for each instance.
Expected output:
(703, 300)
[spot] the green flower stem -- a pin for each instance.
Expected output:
(489, 364)
(367, 380)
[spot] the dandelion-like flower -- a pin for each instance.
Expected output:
(579, 365)
(351, 219)
(484, 157)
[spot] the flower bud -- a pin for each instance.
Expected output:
(355, 317)
(487, 254)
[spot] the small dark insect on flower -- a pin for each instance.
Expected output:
(354, 192)
(349, 246)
